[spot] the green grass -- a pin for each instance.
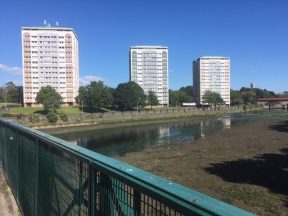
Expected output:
(69, 110)
(9, 104)
(39, 110)
(23, 110)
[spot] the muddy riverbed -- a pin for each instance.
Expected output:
(246, 166)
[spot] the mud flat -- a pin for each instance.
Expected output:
(246, 166)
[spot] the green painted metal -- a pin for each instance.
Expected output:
(50, 176)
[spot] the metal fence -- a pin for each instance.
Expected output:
(49, 176)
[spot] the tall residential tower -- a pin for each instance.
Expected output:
(211, 73)
(50, 57)
(149, 69)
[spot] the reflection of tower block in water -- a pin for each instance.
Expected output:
(164, 132)
(202, 134)
(227, 123)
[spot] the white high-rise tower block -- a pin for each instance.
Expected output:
(149, 68)
(50, 57)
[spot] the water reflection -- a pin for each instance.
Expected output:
(172, 135)
(115, 142)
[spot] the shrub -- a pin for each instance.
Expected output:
(245, 107)
(52, 117)
(6, 115)
(19, 116)
(63, 117)
(32, 118)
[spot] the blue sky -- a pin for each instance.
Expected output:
(253, 33)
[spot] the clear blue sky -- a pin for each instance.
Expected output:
(253, 33)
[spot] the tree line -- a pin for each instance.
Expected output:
(249, 96)
(130, 96)
(126, 96)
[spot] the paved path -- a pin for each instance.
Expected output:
(8, 205)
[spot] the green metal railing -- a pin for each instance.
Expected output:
(49, 176)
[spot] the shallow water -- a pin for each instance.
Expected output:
(115, 142)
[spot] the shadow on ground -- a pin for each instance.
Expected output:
(267, 170)
(282, 126)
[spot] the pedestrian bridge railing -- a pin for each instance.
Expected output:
(49, 176)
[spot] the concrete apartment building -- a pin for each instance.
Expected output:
(50, 57)
(211, 73)
(149, 69)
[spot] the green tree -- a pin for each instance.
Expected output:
(49, 98)
(12, 93)
(82, 95)
(188, 90)
(152, 99)
(248, 95)
(2, 94)
(172, 98)
(184, 97)
(95, 95)
(212, 98)
(129, 95)
(177, 97)
(236, 97)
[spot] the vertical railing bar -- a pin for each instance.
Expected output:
(80, 193)
(36, 177)
(115, 183)
(91, 191)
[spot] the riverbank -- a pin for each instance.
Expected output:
(246, 166)
(106, 118)
(130, 120)
(80, 127)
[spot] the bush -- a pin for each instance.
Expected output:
(33, 118)
(6, 115)
(245, 107)
(18, 116)
(52, 117)
(63, 117)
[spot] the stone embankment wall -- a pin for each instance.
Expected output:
(110, 117)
